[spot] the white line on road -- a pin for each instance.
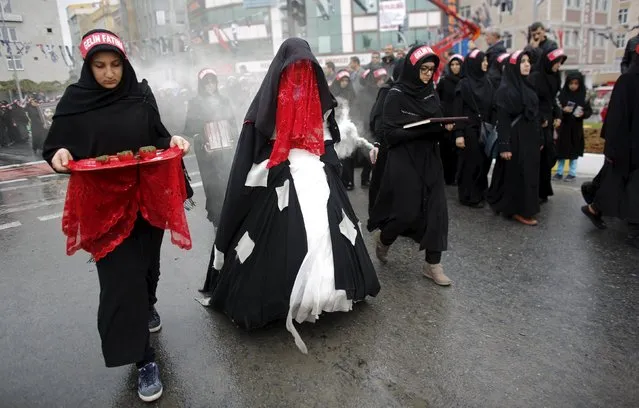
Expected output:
(50, 217)
(10, 225)
(46, 176)
(28, 207)
(13, 166)
(13, 181)
(193, 173)
(195, 185)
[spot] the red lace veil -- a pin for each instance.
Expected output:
(298, 119)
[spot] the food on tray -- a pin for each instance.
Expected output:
(102, 159)
(126, 155)
(147, 152)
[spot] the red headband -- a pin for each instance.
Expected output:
(474, 53)
(379, 72)
(100, 39)
(556, 54)
(365, 73)
(502, 57)
(457, 56)
(343, 74)
(420, 53)
(205, 72)
(514, 57)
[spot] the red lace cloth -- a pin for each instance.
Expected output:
(298, 119)
(102, 206)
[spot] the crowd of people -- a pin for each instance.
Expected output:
(21, 123)
(288, 243)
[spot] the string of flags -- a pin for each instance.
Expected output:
(49, 51)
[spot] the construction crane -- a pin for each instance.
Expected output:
(467, 29)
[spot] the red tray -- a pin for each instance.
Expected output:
(115, 163)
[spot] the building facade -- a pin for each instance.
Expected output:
(592, 32)
(32, 47)
(249, 32)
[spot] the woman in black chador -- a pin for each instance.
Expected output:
(515, 182)
(289, 245)
(377, 130)
(105, 112)
(575, 107)
(547, 82)
(446, 90)
(412, 199)
(473, 98)
(343, 88)
(615, 192)
(496, 70)
(210, 121)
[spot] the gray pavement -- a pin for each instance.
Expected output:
(537, 317)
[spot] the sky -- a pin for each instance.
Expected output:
(62, 11)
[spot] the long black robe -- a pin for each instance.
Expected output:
(257, 291)
(214, 160)
(547, 85)
(412, 197)
(618, 192)
(446, 91)
(474, 99)
(570, 143)
(38, 131)
(91, 121)
(514, 188)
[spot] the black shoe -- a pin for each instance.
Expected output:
(558, 177)
(350, 186)
(587, 192)
(543, 200)
(594, 218)
(365, 183)
(155, 324)
(570, 179)
(149, 384)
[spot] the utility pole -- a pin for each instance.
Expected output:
(15, 71)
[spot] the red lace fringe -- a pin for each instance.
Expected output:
(298, 121)
(102, 206)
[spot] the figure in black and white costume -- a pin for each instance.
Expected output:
(289, 245)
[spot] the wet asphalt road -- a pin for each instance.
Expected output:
(537, 317)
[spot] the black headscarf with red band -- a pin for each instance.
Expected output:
(87, 94)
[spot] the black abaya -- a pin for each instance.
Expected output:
(446, 91)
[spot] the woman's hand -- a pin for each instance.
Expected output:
(460, 142)
(506, 155)
(557, 123)
(544, 124)
(60, 161)
(450, 127)
(180, 142)
(373, 154)
(568, 109)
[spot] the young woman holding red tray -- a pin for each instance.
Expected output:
(108, 111)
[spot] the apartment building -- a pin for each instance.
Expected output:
(590, 31)
(32, 48)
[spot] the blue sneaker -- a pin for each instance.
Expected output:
(155, 324)
(149, 384)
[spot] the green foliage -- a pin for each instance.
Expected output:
(29, 86)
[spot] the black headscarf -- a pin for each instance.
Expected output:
(475, 88)
(550, 82)
(262, 109)
(86, 94)
(205, 77)
(420, 99)
(516, 94)
(409, 82)
(336, 89)
(579, 96)
(449, 75)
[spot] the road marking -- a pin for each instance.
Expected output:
(196, 185)
(28, 207)
(46, 176)
(15, 166)
(50, 217)
(10, 225)
(13, 181)
(193, 173)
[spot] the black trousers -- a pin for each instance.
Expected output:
(348, 171)
(392, 230)
(128, 281)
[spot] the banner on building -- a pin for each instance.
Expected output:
(392, 14)
(250, 4)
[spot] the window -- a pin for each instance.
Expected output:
(9, 34)
(622, 16)
(601, 40)
(508, 40)
(620, 40)
(572, 38)
(49, 30)
(601, 5)
(464, 12)
(14, 64)
(573, 4)
(7, 5)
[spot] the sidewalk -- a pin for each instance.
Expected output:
(588, 166)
